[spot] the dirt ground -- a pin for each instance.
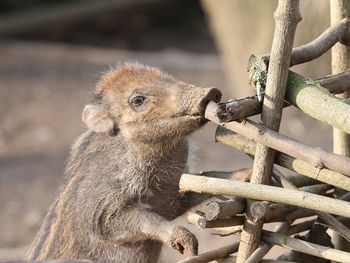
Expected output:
(44, 87)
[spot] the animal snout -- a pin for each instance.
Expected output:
(211, 94)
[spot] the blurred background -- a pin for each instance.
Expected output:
(53, 52)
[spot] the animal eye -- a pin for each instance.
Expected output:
(137, 101)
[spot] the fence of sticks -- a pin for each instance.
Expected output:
(321, 183)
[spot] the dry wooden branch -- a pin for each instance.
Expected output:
(203, 184)
(267, 210)
(307, 95)
(218, 253)
(287, 16)
(327, 218)
(340, 63)
(202, 222)
(342, 180)
(231, 259)
(337, 83)
(317, 157)
(227, 231)
(248, 146)
(319, 46)
(306, 247)
(263, 249)
(221, 209)
(300, 227)
(239, 109)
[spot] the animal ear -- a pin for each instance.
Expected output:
(98, 121)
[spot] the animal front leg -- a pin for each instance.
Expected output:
(142, 225)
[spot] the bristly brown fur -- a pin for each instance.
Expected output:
(121, 191)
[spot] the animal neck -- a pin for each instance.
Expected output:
(155, 151)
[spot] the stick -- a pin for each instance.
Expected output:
(319, 46)
(317, 157)
(202, 184)
(300, 227)
(340, 181)
(287, 16)
(221, 252)
(306, 247)
(337, 83)
(306, 95)
(267, 210)
(249, 106)
(202, 222)
(340, 63)
(221, 209)
(248, 146)
(263, 249)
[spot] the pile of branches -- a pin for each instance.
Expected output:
(318, 192)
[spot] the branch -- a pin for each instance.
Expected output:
(287, 16)
(202, 184)
(266, 210)
(263, 249)
(218, 253)
(340, 63)
(317, 157)
(221, 209)
(306, 95)
(243, 108)
(337, 83)
(248, 146)
(319, 46)
(306, 247)
(202, 222)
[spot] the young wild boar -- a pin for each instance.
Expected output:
(121, 184)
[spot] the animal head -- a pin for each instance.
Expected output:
(146, 105)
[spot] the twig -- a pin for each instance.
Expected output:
(202, 222)
(306, 247)
(248, 146)
(287, 16)
(300, 227)
(202, 184)
(337, 83)
(239, 109)
(267, 210)
(319, 46)
(263, 249)
(317, 157)
(221, 209)
(221, 252)
(340, 9)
